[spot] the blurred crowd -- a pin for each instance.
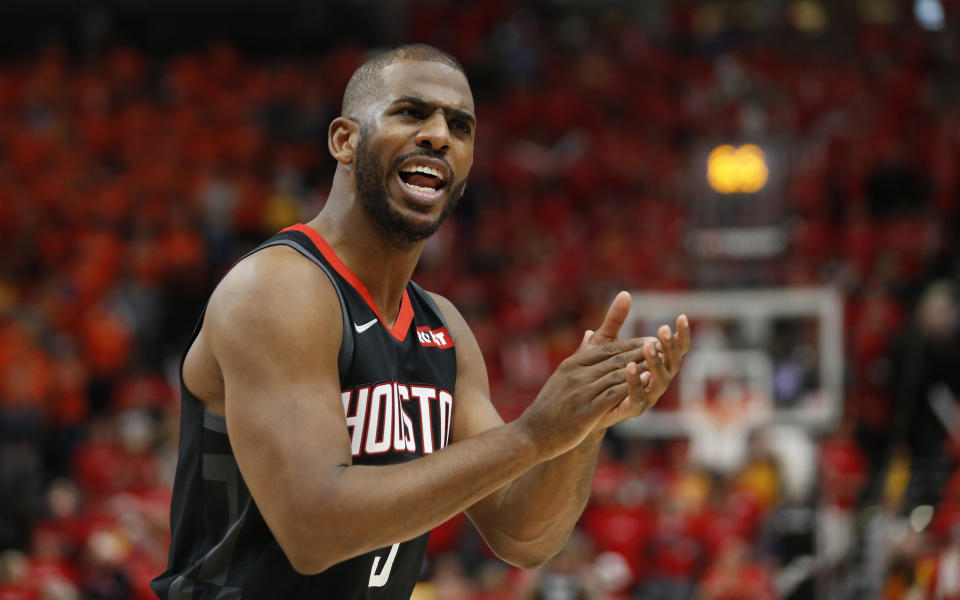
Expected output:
(129, 183)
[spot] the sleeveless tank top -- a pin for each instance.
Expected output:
(397, 393)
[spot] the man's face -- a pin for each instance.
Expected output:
(415, 148)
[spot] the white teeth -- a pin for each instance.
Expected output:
(423, 190)
(425, 170)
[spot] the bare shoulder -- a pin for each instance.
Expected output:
(474, 413)
(470, 366)
(455, 320)
(275, 296)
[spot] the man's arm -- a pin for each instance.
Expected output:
(274, 328)
(529, 520)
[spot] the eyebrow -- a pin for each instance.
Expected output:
(466, 115)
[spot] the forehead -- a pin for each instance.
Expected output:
(433, 82)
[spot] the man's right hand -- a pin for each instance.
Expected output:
(575, 398)
(648, 380)
(605, 381)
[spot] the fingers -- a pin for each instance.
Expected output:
(636, 401)
(635, 384)
(586, 339)
(611, 397)
(659, 376)
(613, 320)
(593, 354)
(645, 377)
(641, 369)
(683, 334)
(619, 375)
(620, 359)
(604, 337)
(671, 355)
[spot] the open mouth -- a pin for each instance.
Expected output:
(422, 180)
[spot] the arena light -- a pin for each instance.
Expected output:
(879, 12)
(740, 170)
(808, 16)
(929, 14)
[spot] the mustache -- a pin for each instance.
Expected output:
(395, 164)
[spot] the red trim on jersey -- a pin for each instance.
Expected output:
(404, 317)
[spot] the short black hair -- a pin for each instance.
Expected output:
(366, 81)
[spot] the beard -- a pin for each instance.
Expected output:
(371, 185)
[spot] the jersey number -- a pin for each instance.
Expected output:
(380, 579)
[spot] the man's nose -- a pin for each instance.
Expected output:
(434, 134)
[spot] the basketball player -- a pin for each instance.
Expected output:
(334, 412)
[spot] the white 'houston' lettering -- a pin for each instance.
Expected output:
(381, 402)
(410, 440)
(425, 394)
(446, 413)
(356, 421)
(398, 443)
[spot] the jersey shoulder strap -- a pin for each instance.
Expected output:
(293, 239)
(430, 302)
(284, 238)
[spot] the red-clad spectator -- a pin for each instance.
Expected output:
(148, 392)
(106, 341)
(116, 456)
(617, 519)
(675, 556)
(733, 576)
(445, 536)
(15, 582)
(49, 560)
(843, 469)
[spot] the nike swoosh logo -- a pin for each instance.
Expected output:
(365, 326)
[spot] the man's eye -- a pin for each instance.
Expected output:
(409, 111)
(461, 126)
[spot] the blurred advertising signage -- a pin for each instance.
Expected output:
(737, 227)
(738, 242)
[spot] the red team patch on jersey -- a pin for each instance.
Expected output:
(434, 338)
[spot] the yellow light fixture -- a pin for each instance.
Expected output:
(740, 170)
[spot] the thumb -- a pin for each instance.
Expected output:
(586, 339)
(613, 320)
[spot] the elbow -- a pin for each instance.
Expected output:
(529, 563)
(306, 565)
(529, 549)
(528, 556)
(307, 560)
(314, 538)
(304, 559)
(533, 548)
(307, 554)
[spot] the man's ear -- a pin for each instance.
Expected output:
(342, 139)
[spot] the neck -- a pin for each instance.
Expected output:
(383, 264)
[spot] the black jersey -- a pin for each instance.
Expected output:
(397, 391)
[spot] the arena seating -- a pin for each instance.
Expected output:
(129, 183)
